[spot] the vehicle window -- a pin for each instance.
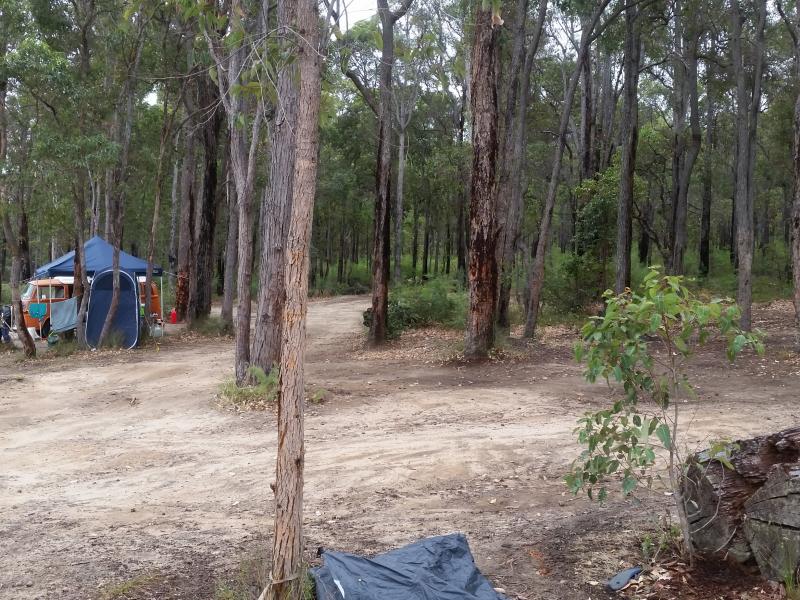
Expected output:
(28, 293)
(51, 292)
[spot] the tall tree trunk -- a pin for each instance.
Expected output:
(708, 177)
(11, 239)
(172, 257)
(685, 162)
(630, 138)
(747, 109)
(482, 273)
(398, 205)
(537, 270)
(380, 240)
(276, 208)
(231, 68)
(120, 172)
(206, 214)
(794, 30)
(187, 219)
(166, 130)
(511, 118)
(229, 285)
(512, 186)
(287, 550)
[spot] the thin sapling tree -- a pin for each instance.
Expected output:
(644, 342)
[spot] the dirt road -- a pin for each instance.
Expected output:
(122, 472)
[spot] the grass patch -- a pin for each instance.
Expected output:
(63, 348)
(211, 327)
(130, 588)
(435, 302)
(250, 579)
(257, 396)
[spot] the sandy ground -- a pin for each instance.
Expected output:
(124, 467)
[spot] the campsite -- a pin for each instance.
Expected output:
(399, 300)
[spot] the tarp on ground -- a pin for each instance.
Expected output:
(99, 257)
(437, 568)
(64, 315)
(126, 320)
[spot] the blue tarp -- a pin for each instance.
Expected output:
(99, 257)
(64, 315)
(126, 319)
(437, 568)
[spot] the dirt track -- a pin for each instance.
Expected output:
(124, 466)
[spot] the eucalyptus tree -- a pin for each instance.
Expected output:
(792, 23)
(590, 31)
(748, 83)
(287, 574)
(482, 270)
(234, 39)
(382, 107)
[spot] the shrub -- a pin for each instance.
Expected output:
(260, 394)
(432, 303)
(643, 341)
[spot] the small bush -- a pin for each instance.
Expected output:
(63, 348)
(433, 303)
(211, 327)
(256, 396)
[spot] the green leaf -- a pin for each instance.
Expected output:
(663, 434)
(628, 485)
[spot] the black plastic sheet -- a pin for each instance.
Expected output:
(437, 568)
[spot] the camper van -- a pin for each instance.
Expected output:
(42, 292)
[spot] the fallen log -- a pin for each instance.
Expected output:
(715, 495)
(772, 523)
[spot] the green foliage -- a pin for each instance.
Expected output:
(262, 393)
(642, 342)
(210, 326)
(435, 302)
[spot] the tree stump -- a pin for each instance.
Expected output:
(772, 523)
(716, 495)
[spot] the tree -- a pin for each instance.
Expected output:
(537, 271)
(287, 550)
(242, 104)
(122, 136)
(276, 209)
(630, 140)
(748, 106)
(510, 185)
(793, 26)
(618, 346)
(383, 174)
(482, 272)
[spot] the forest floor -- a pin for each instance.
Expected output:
(122, 475)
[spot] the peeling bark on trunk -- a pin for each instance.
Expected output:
(287, 551)
(482, 273)
(186, 221)
(206, 214)
(276, 209)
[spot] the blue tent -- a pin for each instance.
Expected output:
(126, 319)
(99, 257)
